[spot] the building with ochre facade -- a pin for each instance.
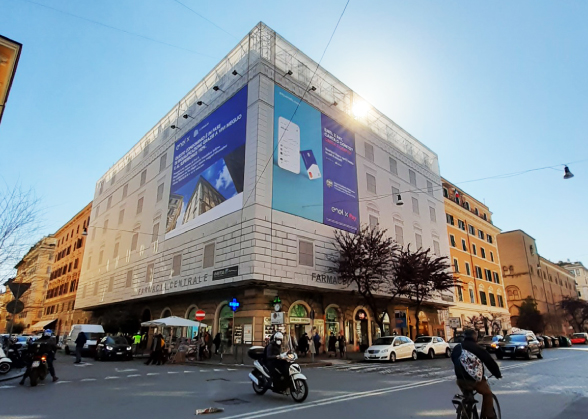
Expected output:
(231, 202)
(580, 274)
(475, 259)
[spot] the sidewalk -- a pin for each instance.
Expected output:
(321, 360)
(12, 374)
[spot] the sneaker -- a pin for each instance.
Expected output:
(55, 379)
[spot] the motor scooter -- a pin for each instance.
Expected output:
(5, 362)
(294, 384)
(38, 369)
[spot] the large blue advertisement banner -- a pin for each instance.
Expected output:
(314, 173)
(209, 168)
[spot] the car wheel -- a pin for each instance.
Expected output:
(414, 355)
(393, 357)
(448, 353)
(528, 354)
(431, 354)
(539, 355)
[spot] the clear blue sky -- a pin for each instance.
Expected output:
(492, 87)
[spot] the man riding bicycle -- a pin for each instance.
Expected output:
(469, 359)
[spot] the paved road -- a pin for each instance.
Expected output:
(555, 387)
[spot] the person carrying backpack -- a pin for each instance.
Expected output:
(468, 360)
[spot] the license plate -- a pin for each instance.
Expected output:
(508, 350)
(36, 364)
(119, 353)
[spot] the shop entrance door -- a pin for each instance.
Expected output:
(361, 330)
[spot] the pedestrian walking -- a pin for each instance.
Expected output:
(207, 344)
(342, 344)
(317, 342)
(80, 342)
(303, 345)
(156, 350)
(217, 342)
(311, 348)
(332, 345)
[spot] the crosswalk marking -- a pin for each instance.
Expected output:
(88, 379)
(152, 373)
(133, 375)
(111, 378)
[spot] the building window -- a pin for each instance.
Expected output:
(472, 299)
(483, 298)
(149, 272)
(478, 272)
(306, 253)
(369, 152)
(393, 166)
(96, 288)
(129, 278)
(146, 150)
(483, 252)
(491, 256)
(476, 211)
(430, 187)
(373, 222)
(100, 255)
(208, 261)
(111, 284)
(488, 275)
(474, 250)
(97, 213)
(155, 233)
(464, 245)
(105, 228)
(452, 240)
(500, 301)
(466, 205)
(481, 234)
(395, 194)
(419, 240)
(445, 193)
(125, 191)
(140, 206)
(433, 214)
(496, 277)
(160, 192)
(456, 265)
(143, 177)
(121, 216)
(472, 230)
(436, 248)
(115, 253)
(109, 202)
(489, 238)
(162, 162)
(484, 217)
(134, 242)
(492, 299)
(468, 271)
(459, 294)
(415, 205)
(76, 263)
(177, 265)
(371, 183)
(461, 225)
(412, 177)
(449, 219)
(399, 235)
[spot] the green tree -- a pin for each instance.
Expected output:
(576, 312)
(529, 316)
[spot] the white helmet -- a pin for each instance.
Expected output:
(278, 336)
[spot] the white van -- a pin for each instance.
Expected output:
(94, 332)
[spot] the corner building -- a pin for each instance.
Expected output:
(475, 259)
(237, 203)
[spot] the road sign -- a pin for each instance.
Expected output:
(454, 322)
(14, 307)
(234, 304)
(200, 314)
(278, 318)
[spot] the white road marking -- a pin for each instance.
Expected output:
(111, 377)
(152, 373)
(173, 372)
(437, 413)
(126, 370)
(204, 370)
(188, 372)
(62, 382)
(217, 370)
(232, 369)
(88, 379)
(134, 375)
(7, 387)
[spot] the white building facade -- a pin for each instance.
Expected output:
(232, 199)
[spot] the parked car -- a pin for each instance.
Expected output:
(454, 341)
(113, 347)
(555, 341)
(541, 342)
(431, 346)
(564, 341)
(94, 332)
(490, 343)
(580, 338)
(523, 344)
(391, 348)
(548, 343)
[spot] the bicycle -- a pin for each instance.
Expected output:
(465, 405)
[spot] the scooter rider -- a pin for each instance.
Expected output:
(276, 367)
(45, 344)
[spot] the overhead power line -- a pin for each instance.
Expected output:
(105, 25)
(205, 18)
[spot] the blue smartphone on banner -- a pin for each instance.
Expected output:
(311, 166)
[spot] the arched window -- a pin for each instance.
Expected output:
(225, 326)
(298, 310)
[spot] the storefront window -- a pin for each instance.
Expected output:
(298, 311)
(191, 331)
(332, 316)
(299, 321)
(225, 326)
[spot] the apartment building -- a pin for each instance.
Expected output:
(475, 259)
(580, 273)
(527, 274)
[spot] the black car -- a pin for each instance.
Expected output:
(541, 342)
(519, 345)
(547, 341)
(564, 341)
(113, 347)
(555, 341)
(490, 343)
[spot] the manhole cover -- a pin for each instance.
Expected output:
(217, 379)
(231, 401)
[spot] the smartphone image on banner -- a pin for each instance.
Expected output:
(288, 145)
(311, 166)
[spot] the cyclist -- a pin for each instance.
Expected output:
(469, 359)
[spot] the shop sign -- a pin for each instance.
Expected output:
(326, 279)
(225, 273)
(247, 333)
(299, 320)
(278, 318)
(400, 317)
(175, 284)
(454, 322)
(318, 322)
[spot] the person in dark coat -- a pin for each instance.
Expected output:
(342, 344)
(303, 345)
(217, 342)
(468, 383)
(156, 350)
(332, 345)
(80, 342)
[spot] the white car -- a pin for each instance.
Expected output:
(453, 342)
(390, 348)
(431, 346)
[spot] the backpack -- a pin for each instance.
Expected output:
(471, 364)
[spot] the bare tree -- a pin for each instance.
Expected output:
(19, 222)
(422, 275)
(576, 312)
(364, 262)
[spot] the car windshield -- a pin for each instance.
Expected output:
(579, 335)
(515, 338)
(384, 341)
(423, 339)
(119, 340)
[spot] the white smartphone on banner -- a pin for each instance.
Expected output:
(288, 145)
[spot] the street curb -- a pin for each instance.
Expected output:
(20, 374)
